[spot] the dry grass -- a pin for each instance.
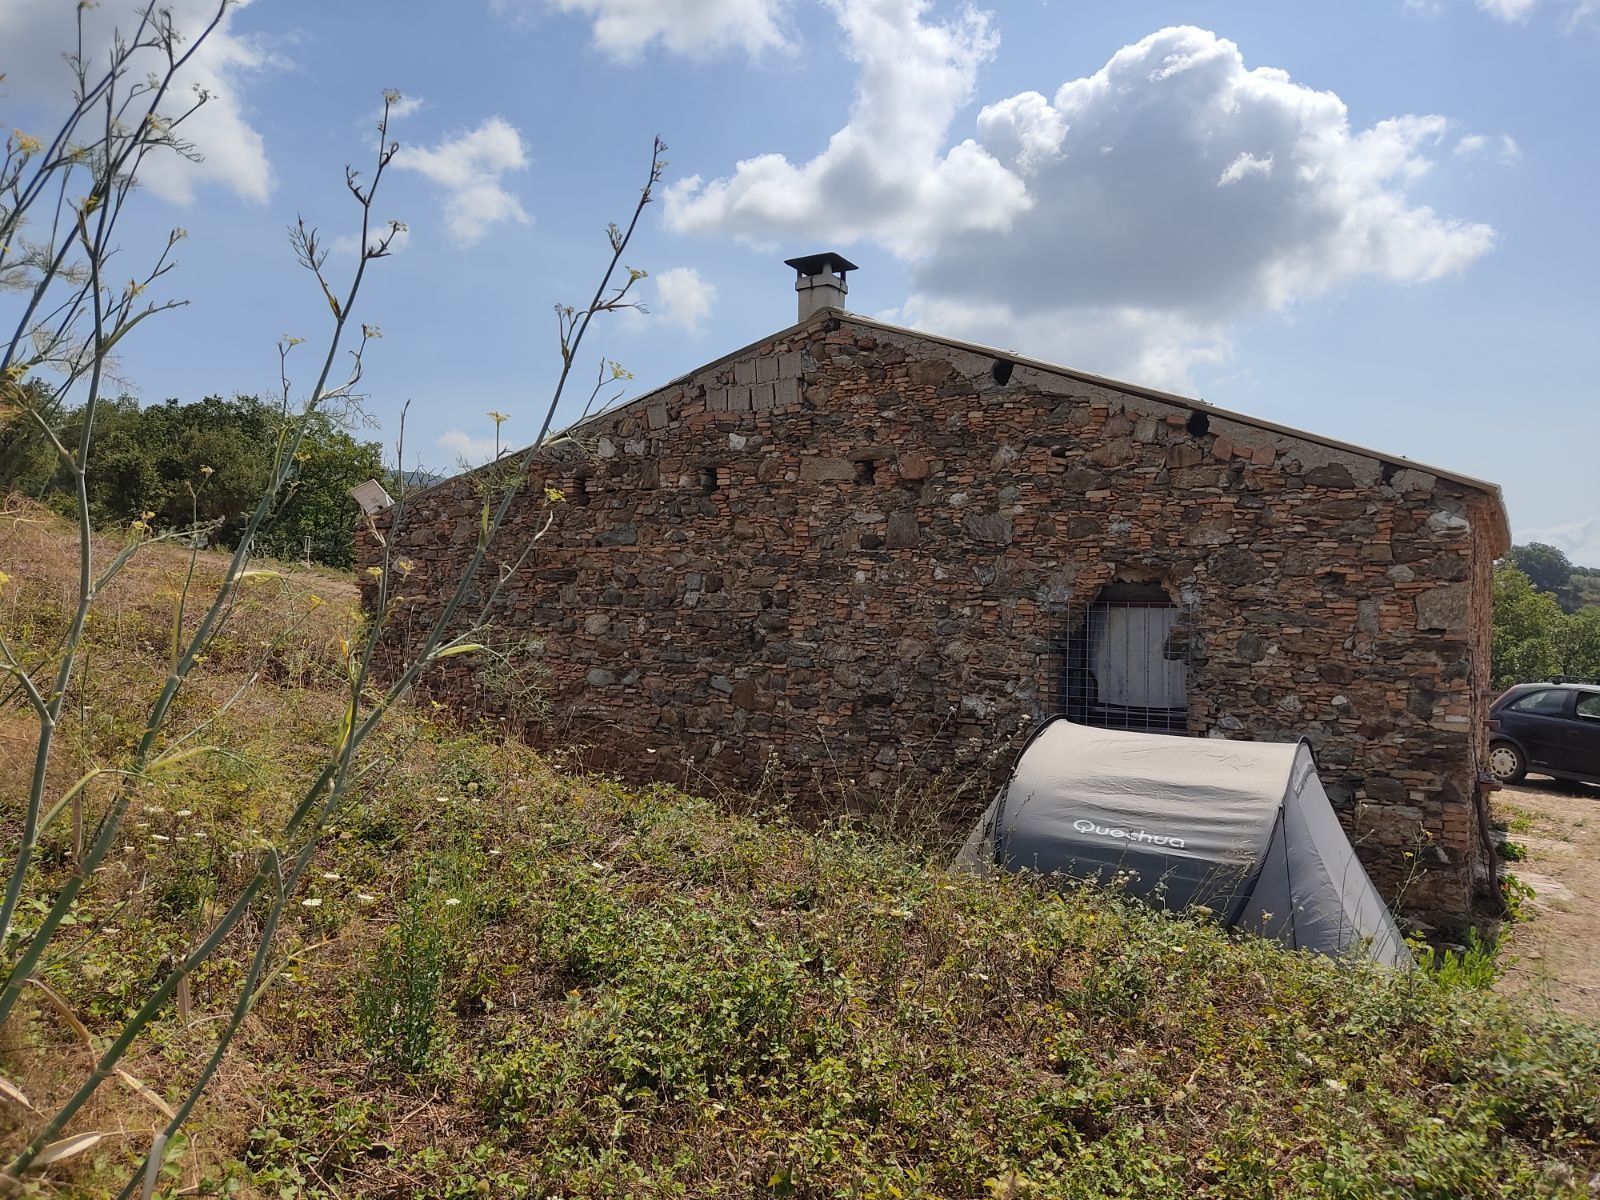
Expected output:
(135, 612)
(284, 630)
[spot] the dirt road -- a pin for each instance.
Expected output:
(1556, 953)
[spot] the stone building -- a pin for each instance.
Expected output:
(856, 561)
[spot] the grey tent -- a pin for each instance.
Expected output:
(1243, 828)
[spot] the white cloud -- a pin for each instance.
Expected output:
(1155, 347)
(623, 29)
(1123, 169)
(403, 107)
(400, 108)
(1502, 149)
(346, 243)
(1520, 12)
(463, 447)
(1580, 539)
(1245, 164)
(1509, 10)
(885, 175)
(36, 33)
(1123, 224)
(683, 298)
(469, 168)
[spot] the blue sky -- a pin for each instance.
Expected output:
(1373, 221)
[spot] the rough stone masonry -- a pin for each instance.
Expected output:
(843, 562)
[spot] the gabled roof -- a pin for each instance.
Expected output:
(1490, 490)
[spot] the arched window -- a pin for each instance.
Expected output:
(1128, 661)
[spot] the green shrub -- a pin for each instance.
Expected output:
(307, 1140)
(1518, 896)
(397, 996)
(1475, 966)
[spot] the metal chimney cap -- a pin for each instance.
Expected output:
(820, 264)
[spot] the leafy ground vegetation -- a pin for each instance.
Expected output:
(507, 980)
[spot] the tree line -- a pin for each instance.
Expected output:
(1545, 625)
(202, 464)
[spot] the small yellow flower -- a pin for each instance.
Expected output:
(26, 143)
(374, 572)
(315, 601)
(554, 495)
(618, 371)
(499, 418)
(4, 579)
(404, 565)
(208, 472)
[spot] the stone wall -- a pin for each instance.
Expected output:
(843, 562)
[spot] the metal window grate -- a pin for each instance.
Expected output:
(1126, 665)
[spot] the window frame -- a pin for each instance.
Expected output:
(1518, 705)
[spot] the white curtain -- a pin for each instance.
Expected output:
(1128, 658)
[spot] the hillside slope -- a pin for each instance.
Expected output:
(507, 981)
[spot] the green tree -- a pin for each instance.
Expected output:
(205, 462)
(1547, 568)
(1527, 626)
(1578, 643)
(27, 460)
(209, 462)
(316, 508)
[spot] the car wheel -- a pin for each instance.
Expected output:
(1506, 763)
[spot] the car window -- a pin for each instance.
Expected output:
(1549, 703)
(1589, 706)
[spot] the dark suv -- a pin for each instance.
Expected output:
(1547, 728)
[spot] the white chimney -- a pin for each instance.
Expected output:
(820, 281)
